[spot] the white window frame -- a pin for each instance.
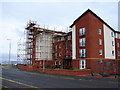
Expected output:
(40, 54)
(59, 54)
(113, 53)
(100, 52)
(82, 42)
(82, 64)
(82, 31)
(69, 37)
(112, 43)
(59, 62)
(56, 56)
(100, 41)
(99, 31)
(55, 62)
(118, 44)
(82, 53)
(112, 34)
(118, 53)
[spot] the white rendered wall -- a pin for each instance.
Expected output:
(74, 42)
(108, 47)
(44, 46)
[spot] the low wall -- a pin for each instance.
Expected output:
(56, 71)
(66, 72)
(27, 67)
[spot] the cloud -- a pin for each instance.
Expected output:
(59, 0)
(48, 15)
(10, 30)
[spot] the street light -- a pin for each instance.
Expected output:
(9, 49)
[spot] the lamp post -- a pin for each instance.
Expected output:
(9, 50)
(43, 34)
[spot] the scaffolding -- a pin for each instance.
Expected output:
(38, 43)
(31, 32)
(21, 52)
(44, 46)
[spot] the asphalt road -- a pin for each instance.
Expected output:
(15, 78)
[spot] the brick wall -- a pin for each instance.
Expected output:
(66, 72)
(56, 71)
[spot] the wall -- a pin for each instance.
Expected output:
(44, 46)
(67, 72)
(74, 42)
(62, 47)
(108, 38)
(60, 51)
(93, 37)
(117, 48)
(92, 24)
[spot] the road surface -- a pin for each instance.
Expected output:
(15, 78)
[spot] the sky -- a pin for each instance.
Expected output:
(58, 15)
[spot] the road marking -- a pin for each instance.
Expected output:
(20, 83)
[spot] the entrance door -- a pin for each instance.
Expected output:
(82, 64)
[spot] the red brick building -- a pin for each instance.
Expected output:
(92, 40)
(62, 50)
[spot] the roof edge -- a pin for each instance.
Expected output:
(95, 16)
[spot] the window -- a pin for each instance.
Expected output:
(55, 63)
(56, 48)
(40, 62)
(100, 41)
(100, 52)
(113, 53)
(115, 35)
(40, 54)
(118, 44)
(118, 53)
(59, 54)
(99, 31)
(112, 34)
(66, 46)
(55, 55)
(82, 53)
(82, 31)
(82, 42)
(66, 38)
(119, 36)
(82, 64)
(59, 62)
(62, 38)
(59, 46)
(112, 43)
(69, 37)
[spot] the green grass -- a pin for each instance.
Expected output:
(3, 88)
(5, 64)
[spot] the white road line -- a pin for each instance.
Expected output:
(20, 83)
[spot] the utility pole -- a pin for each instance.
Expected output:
(9, 50)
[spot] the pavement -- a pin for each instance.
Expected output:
(15, 78)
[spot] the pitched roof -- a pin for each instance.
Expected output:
(95, 16)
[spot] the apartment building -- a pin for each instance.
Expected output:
(62, 50)
(93, 39)
(90, 39)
